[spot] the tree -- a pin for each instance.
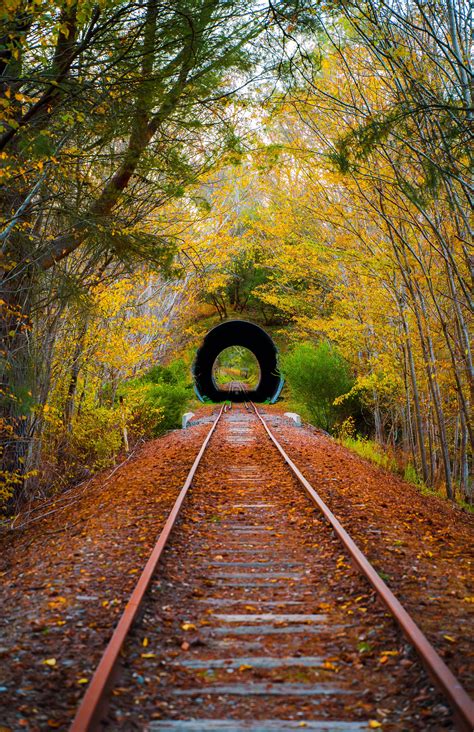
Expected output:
(109, 110)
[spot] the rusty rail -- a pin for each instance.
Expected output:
(94, 703)
(459, 700)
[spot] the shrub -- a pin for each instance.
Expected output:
(152, 404)
(156, 400)
(347, 429)
(96, 437)
(142, 411)
(316, 376)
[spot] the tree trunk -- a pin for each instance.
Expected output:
(416, 400)
(74, 375)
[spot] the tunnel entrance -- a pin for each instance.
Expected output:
(240, 336)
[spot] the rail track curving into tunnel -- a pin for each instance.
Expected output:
(231, 625)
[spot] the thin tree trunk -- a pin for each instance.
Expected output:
(73, 377)
(416, 399)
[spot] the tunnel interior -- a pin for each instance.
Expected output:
(250, 336)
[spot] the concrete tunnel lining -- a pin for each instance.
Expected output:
(238, 333)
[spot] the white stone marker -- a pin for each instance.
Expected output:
(295, 417)
(186, 419)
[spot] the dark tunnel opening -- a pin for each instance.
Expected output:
(256, 340)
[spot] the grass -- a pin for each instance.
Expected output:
(373, 452)
(469, 507)
(411, 475)
(370, 450)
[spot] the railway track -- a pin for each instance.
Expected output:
(257, 619)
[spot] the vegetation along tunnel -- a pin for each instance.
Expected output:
(248, 336)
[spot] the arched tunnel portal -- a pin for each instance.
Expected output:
(256, 340)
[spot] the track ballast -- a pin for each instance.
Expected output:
(256, 619)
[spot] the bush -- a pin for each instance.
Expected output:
(411, 475)
(142, 411)
(316, 376)
(152, 404)
(155, 401)
(96, 437)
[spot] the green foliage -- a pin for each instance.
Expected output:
(370, 450)
(156, 400)
(411, 476)
(248, 273)
(357, 145)
(317, 375)
(143, 412)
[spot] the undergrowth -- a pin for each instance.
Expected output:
(376, 454)
(370, 450)
(316, 374)
(142, 408)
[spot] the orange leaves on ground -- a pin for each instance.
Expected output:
(56, 602)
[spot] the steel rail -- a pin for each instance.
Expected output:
(461, 703)
(94, 702)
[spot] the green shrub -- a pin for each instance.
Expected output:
(316, 376)
(177, 372)
(155, 401)
(142, 411)
(147, 406)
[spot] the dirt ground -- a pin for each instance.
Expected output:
(69, 565)
(421, 545)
